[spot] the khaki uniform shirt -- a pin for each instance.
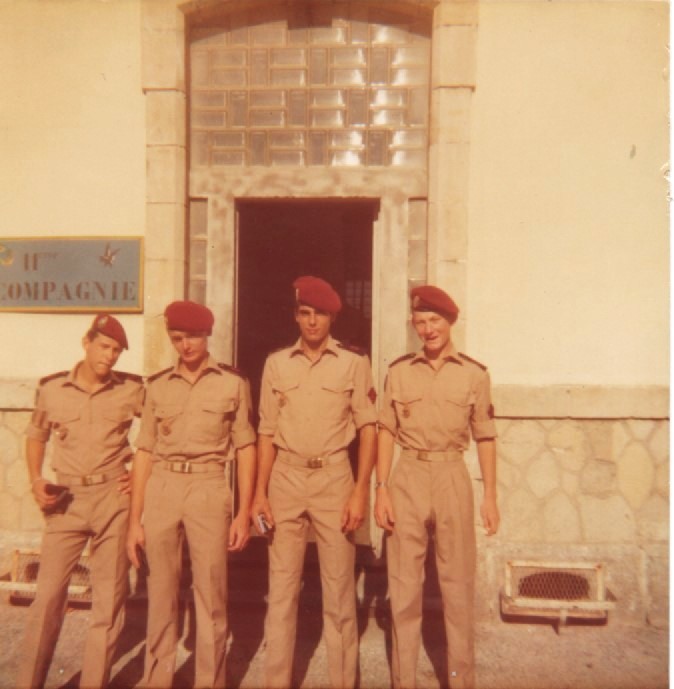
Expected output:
(434, 410)
(313, 409)
(90, 430)
(202, 421)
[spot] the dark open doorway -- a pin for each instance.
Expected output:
(278, 240)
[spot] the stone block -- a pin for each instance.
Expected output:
(163, 59)
(523, 440)
(521, 519)
(607, 520)
(165, 113)
(662, 480)
(621, 437)
(453, 13)
(657, 578)
(450, 120)
(17, 421)
(32, 518)
(161, 15)
(636, 474)
(641, 428)
(9, 512)
(165, 231)
(599, 434)
(16, 479)
(454, 56)
(11, 446)
(165, 174)
(658, 443)
(570, 483)
(561, 521)
(509, 476)
(569, 444)
(543, 475)
(449, 172)
(451, 219)
(416, 259)
(653, 520)
(598, 478)
(417, 218)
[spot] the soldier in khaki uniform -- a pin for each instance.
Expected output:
(87, 413)
(432, 399)
(196, 419)
(314, 397)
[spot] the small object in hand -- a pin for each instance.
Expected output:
(63, 498)
(263, 524)
(55, 489)
(143, 568)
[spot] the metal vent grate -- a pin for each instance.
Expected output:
(556, 585)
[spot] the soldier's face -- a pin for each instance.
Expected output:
(314, 324)
(433, 330)
(101, 354)
(191, 347)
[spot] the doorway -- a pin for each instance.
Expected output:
(279, 240)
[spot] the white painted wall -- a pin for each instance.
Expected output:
(568, 244)
(72, 151)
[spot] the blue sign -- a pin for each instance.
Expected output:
(71, 274)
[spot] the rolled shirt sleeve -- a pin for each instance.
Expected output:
(363, 400)
(242, 430)
(387, 415)
(482, 424)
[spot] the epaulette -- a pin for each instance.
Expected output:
(130, 376)
(53, 376)
(477, 363)
(352, 348)
(232, 369)
(159, 374)
(404, 357)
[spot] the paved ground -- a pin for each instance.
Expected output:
(509, 656)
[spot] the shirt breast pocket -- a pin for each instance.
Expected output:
(64, 425)
(337, 396)
(215, 419)
(458, 407)
(407, 406)
(167, 416)
(284, 391)
(119, 420)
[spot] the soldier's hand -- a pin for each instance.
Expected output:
(383, 509)
(135, 536)
(43, 499)
(124, 482)
(239, 532)
(490, 516)
(261, 506)
(353, 514)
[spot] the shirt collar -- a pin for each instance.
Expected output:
(71, 378)
(453, 355)
(211, 365)
(331, 347)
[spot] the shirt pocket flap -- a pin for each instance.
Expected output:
(462, 398)
(64, 415)
(285, 385)
(219, 406)
(343, 386)
(407, 397)
(168, 411)
(121, 414)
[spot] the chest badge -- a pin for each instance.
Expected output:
(406, 412)
(282, 400)
(166, 428)
(61, 432)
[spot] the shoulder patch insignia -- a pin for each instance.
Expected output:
(402, 358)
(372, 394)
(352, 348)
(159, 374)
(477, 363)
(232, 369)
(53, 376)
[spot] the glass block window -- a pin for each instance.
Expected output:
(314, 90)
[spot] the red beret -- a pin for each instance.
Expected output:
(429, 298)
(317, 293)
(109, 326)
(189, 317)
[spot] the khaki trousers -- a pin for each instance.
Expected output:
(101, 513)
(199, 507)
(300, 496)
(438, 495)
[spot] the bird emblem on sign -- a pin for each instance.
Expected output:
(6, 256)
(109, 256)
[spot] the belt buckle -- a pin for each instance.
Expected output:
(422, 455)
(183, 468)
(88, 480)
(315, 463)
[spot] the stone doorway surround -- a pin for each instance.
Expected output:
(422, 227)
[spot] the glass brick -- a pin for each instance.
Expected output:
(199, 148)
(410, 55)
(409, 77)
(347, 139)
(258, 148)
(199, 68)
(352, 57)
(287, 139)
(238, 36)
(198, 218)
(258, 71)
(228, 77)
(357, 113)
(297, 36)
(328, 34)
(237, 115)
(211, 35)
(418, 107)
(348, 77)
(228, 158)
(198, 254)
(388, 118)
(287, 157)
(197, 291)
(417, 218)
(317, 151)
(268, 34)
(388, 34)
(377, 149)
(415, 158)
(297, 112)
(208, 118)
(288, 77)
(327, 118)
(318, 66)
(346, 158)
(360, 32)
(327, 98)
(267, 118)
(379, 66)
(208, 99)
(229, 58)
(389, 97)
(229, 139)
(409, 137)
(289, 57)
(267, 99)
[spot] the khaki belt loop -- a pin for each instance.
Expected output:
(312, 462)
(432, 455)
(89, 479)
(187, 467)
